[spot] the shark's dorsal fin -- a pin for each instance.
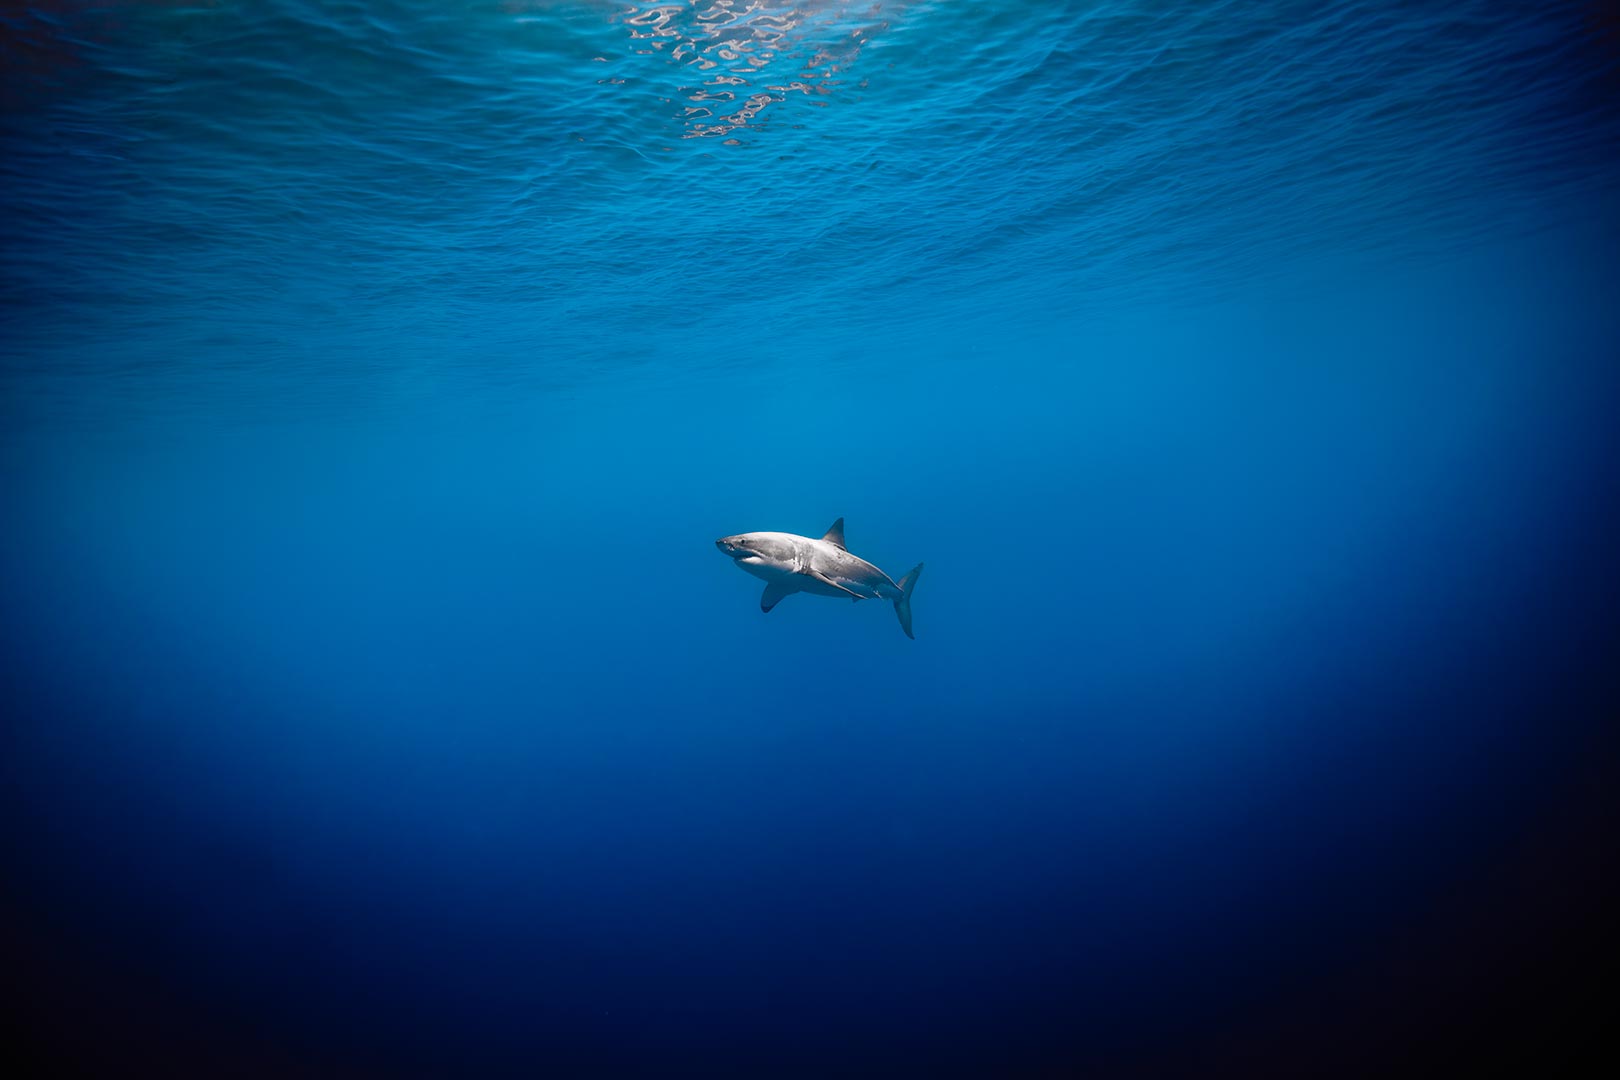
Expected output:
(835, 535)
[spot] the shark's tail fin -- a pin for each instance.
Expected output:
(902, 606)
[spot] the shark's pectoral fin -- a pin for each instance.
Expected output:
(773, 595)
(825, 580)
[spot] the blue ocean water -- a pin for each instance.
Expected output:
(376, 377)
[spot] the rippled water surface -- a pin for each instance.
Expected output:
(375, 378)
(497, 183)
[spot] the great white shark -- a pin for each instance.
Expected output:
(790, 563)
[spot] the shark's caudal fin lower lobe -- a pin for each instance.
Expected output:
(902, 606)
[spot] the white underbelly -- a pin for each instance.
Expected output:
(769, 571)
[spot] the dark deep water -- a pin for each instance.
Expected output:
(377, 376)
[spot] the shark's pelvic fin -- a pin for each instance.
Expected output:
(825, 580)
(902, 606)
(774, 591)
(835, 535)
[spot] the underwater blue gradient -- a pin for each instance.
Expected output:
(375, 378)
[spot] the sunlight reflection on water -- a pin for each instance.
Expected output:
(747, 56)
